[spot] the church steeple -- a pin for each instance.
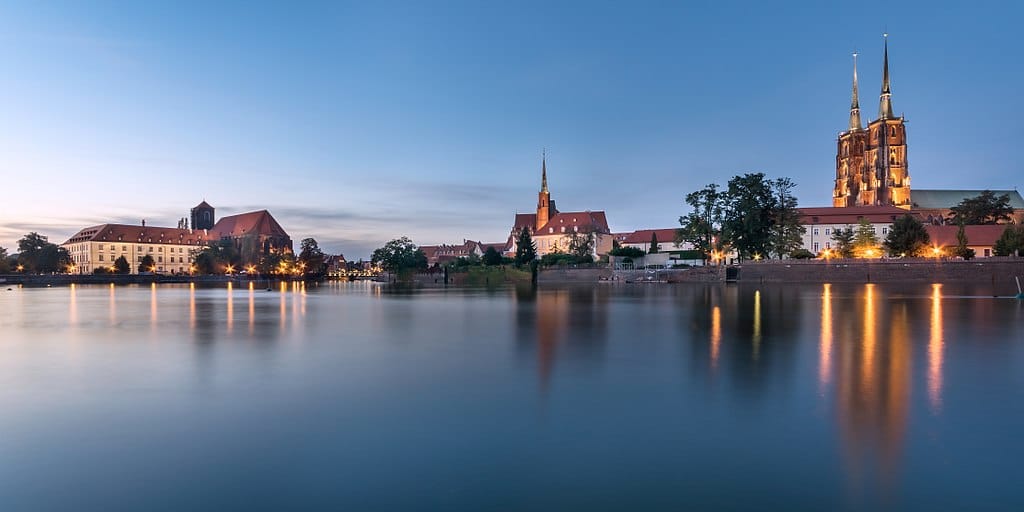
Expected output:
(544, 171)
(885, 100)
(855, 102)
(545, 206)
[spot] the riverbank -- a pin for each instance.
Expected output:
(119, 279)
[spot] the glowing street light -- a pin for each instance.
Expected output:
(229, 269)
(21, 268)
(936, 251)
(870, 253)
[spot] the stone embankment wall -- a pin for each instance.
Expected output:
(574, 275)
(979, 270)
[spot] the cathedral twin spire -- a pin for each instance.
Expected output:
(885, 99)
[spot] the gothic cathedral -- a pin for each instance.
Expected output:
(871, 164)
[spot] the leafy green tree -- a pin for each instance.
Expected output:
(37, 254)
(654, 248)
(311, 258)
(628, 252)
(121, 265)
(865, 241)
(961, 244)
(217, 257)
(702, 227)
(555, 258)
(801, 254)
(844, 242)
(1011, 242)
(492, 257)
(749, 214)
(148, 264)
(907, 236)
(400, 256)
(985, 208)
(581, 243)
(526, 250)
(786, 234)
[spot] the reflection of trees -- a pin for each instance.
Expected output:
(569, 323)
(746, 333)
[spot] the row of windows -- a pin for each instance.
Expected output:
(828, 231)
(139, 248)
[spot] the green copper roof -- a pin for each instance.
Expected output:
(936, 199)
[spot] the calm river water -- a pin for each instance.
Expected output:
(351, 396)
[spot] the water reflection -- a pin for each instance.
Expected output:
(73, 305)
(935, 350)
(569, 321)
(112, 305)
(873, 394)
(152, 305)
(716, 334)
(825, 342)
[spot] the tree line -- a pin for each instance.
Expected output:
(753, 215)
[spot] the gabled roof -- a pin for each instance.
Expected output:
(643, 236)
(596, 221)
(258, 222)
(945, 199)
(977, 235)
(852, 214)
(203, 204)
(498, 246)
(527, 220)
(142, 234)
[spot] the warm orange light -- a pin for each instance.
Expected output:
(936, 251)
(229, 269)
(869, 253)
(251, 269)
(21, 268)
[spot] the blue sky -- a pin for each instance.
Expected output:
(359, 122)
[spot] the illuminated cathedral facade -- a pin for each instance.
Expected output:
(871, 163)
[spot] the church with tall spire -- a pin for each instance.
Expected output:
(553, 230)
(871, 163)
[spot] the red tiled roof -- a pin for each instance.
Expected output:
(569, 220)
(977, 236)
(527, 220)
(643, 236)
(259, 222)
(142, 234)
(498, 246)
(852, 214)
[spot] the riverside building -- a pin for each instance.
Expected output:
(553, 230)
(254, 234)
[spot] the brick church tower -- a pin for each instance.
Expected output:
(545, 206)
(871, 164)
(202, 216)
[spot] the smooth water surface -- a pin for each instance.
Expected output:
(352, 396)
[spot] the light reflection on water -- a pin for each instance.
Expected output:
(823, 397)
